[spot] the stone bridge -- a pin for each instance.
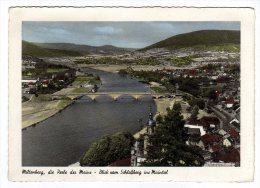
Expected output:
(116, 95)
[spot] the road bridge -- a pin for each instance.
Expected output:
(116, 95)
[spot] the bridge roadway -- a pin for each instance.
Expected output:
(116, 95)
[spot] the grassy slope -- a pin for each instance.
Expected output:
(36, 51)
(202, 39)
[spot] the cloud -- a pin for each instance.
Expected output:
(108, 30)
(59, 31)
(121, 34)
(162, 26)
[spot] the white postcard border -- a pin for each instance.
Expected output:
(212, 174)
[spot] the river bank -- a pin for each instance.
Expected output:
(38, 109)
(34, 112)
(115, 68)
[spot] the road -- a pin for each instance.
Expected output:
(224, 118)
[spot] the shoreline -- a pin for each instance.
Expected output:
(39, 110)
(114, 68)
(44, 117)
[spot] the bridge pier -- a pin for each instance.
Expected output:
(136, 97)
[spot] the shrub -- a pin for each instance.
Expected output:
(108, 150)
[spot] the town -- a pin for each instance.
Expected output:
(196, 90)
(210, 86)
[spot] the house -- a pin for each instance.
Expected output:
(230, 102)
(231, 155)
(229, 105)
(237, 110)
(227, 142)
(209, 122)
(45, 83)
(214, 77)
(215, 148)
(29, 85)
(210, 139)
(222, 132)
(190, 72)
(30, 90)
(206, 155)
(28, 82)
(28, 63)
(234, 134)
(235, 123)
(195, 129)
(123, 162)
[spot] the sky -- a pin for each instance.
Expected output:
(120, 34)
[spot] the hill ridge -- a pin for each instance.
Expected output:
(200, 37)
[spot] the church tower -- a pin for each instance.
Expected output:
(151, 124)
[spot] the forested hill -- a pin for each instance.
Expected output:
(31, 49)
(202, 38)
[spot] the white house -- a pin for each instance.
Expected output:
(227, 143)
(202, 131)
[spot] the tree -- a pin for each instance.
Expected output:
(122, 72)
(159, 119)
(194, 113)
(174, 121)
(165, 150)
(108, 150)
(197, 102)
(167, 145)
(190, 85)
(211, 94)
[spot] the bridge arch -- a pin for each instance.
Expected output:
(135, 96)
(121, 96)
(101, 97)
(83, 98)
(144, 97)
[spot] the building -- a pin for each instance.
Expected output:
(123, 162)
(195, 129)
(151, 124)
(210, 139)
(138, 151)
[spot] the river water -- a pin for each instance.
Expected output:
(63, 138)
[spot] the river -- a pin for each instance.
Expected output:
(63, 138)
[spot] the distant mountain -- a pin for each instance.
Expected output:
(223, 40)
(201, 39)
(31, 49)
(85, 49)
(68, 49)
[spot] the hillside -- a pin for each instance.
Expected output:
(85, 49)
(37, 51)
(218, 39)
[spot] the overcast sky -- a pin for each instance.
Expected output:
(121, 34)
